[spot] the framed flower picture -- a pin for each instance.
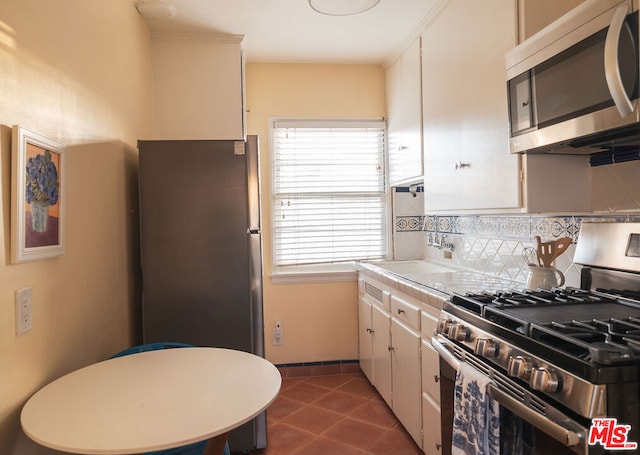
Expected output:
(37, 199)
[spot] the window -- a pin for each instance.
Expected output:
(329, 191)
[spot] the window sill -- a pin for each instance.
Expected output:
(321, 273)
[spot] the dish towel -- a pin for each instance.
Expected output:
(476, 416)
(517, 437)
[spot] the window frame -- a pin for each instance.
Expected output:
(326, 271)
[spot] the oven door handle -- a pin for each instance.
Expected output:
(446, 354)
(558, 432)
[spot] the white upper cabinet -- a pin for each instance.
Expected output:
(467, 165)
(534, 15)
(198, 86)
(404, 111)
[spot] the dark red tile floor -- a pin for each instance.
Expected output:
(339, 414)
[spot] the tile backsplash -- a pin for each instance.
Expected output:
(408, 235)
(616, 187)
(494, 244)
(491, 244)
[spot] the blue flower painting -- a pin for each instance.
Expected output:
(37, 196)
(42, 179)
(42, 194)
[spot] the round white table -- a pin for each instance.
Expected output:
(151, 401)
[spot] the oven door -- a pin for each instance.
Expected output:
(555, 432)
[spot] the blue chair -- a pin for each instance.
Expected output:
(191, 449)
(151, 347)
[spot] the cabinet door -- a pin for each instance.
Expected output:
(404, 111)
(381, 356)
(405, 366)
(198, 87)
(431, 427)
(467, 161)
(430, 371)
(534, 15)
(365, 338)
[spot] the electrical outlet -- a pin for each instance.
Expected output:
(24, 312)
(277, 334)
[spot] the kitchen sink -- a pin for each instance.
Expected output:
(412, 267)
(443, 278)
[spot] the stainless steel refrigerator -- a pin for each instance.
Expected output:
(201, 250)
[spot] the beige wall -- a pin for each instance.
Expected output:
(78, 72)
(320, 319)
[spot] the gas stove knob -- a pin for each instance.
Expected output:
(544, 380)
(519, 367)
(443, 326)
(458, 332)
(486, 348)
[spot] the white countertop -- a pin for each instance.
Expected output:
(424, 277)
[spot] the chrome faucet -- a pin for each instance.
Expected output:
(439, 243)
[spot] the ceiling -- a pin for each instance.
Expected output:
(281, 31)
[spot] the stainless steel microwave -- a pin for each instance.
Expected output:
(573, 86)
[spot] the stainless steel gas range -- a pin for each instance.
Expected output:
(564, 361)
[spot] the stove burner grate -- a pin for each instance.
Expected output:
(596, 327)
(548, 297)
(611, 341)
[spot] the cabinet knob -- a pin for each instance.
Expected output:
(436, 378)
(400, 311)
(370, 330)
(438, 446)
(390, 348)
(460, 165)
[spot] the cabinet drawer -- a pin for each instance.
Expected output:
(429, 322)
(405, 312)
(430, 371)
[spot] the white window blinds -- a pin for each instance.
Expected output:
(328, 191)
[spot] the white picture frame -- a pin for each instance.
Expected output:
(37, 196)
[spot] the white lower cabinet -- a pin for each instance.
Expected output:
(365, 341)
(396, 356)
(431, 426)
(432, 439)
(405, 369)
(382, 379)
(430, 371)
(374, 336)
